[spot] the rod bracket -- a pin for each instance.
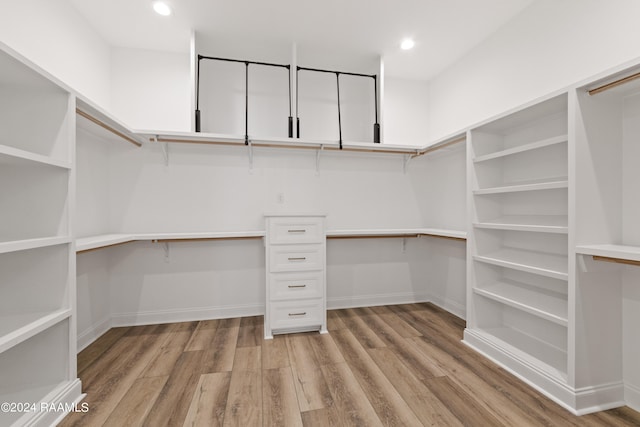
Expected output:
(250, 153)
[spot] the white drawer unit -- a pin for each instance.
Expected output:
(296, 274)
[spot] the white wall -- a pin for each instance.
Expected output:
(151, 90)
(53, 35)
(405, 112)
(550, 45)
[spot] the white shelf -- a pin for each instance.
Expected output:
(544, 264)
(21, 245)
(102, 241)
(106, 240)
(19, 327)
(526, 186)
(547, 305)
(261, 141)
(17, 157)
(630, 253)
(207, 235)
(523, 148)
(535, 223)
(398, 232)
(540, 354)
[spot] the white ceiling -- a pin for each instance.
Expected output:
(444, 30)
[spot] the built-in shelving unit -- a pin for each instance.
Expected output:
(37, 323)
(518, 264)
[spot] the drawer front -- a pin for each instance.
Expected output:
(296, 258)
(296, 230)
(286, 286)
(296, 314)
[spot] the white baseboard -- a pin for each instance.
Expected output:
(374, 300)
(632, 396)
(185, 315)
(453, 307)
(59, 404)
(577, 401)
(88, 336)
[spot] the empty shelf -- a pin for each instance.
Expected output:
(15, 156)
(523, 148)
(550, 265)
(539, 302)
(18, 327)
(21, 245)
(526, 186)
(536, 223)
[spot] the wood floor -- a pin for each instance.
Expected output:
(398, 365)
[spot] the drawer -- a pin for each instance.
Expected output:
(289, 315)
(296, 258)
(296, 230)
(286, 286)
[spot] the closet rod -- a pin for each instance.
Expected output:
(107, 127)
(614, 84)
(201, 239)
(272, 145)
(438, 147)
(374, 236)
(616, 260)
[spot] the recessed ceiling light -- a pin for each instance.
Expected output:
(161, 8)
(407, 44)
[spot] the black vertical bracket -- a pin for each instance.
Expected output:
(198, 94)
(339, 118)
(246, 103)
(376, 125)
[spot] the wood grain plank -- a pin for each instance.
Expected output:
(325, 349)
(321, 418)
(219, 357)
(420, 364)
(244, 403)
(403, 328)
(174, 400)
(279, 401)
(359, 329)
(202, 336)
(461, 404)
(109, 379)
(137, 403)
(311, 388)
(180, 334)
(274, 353)
(351, 407)
(388, 404)
(251, 331)
(334, 321)
(248, 359)
(90, 354)
(427, 407)
(163, 362)
(492, 399)
(209, 401)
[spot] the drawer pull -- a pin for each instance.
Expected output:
(302, 230)
(297, 286)
(302, 258)
(304, 313)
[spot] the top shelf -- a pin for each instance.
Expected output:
(613, 252)
(15, 156)
(523, 148)
(294, 143)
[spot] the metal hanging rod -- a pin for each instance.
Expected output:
(376, 125)
(616, 83)
(246, 95)
(107, 127)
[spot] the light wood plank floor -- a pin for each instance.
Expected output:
(400, 365)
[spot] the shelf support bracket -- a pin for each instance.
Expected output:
(403, 246)
(166, 252)
(250, 153)
(405, 163)
(318, 159)
(165, 152)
